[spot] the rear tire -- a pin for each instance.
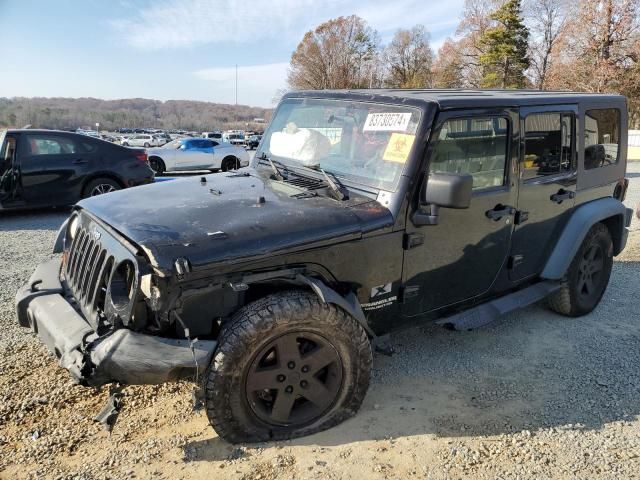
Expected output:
(588, 275)
(146, 145)
(100, 186)
(286, 366)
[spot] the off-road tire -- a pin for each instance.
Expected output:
(568, 300)
(250, 331)
(106, 183)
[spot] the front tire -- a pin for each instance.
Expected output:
(230, 163)
(157, 165)
(588, 275)
(286, 366)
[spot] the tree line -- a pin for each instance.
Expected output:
(590, 45)
(71, 113)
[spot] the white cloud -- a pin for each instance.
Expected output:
(257, 84)
(187, 23)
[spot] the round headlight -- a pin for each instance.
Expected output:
(73, 227)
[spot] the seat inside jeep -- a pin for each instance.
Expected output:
(481, 153)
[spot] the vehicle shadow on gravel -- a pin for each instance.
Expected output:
(532, 370)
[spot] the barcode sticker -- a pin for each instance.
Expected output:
(387, 122)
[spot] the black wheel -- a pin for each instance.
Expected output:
(125, 144)
(157, 165)
(230, 163)
(286, 366)
(588, 275)
(100, 186)
(146, 145)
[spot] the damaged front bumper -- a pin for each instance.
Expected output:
(121, 355)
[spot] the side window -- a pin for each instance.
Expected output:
(548, 144)
(601, 137)
(473, 145)
(49, 145)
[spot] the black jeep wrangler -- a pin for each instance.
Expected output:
(362, 212)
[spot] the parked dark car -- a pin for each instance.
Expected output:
(253, 141)
(362, 212)
(54, 168)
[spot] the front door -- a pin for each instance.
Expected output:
(460, 257)
(547, 185)
(7, 167)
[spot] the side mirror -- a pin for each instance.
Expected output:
(442, 190)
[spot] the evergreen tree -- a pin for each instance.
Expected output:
(504, 58)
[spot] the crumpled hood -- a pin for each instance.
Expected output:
(222, 219)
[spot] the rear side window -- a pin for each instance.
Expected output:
(548, 144)
(50, 145)
(477, 146)
(601, 137)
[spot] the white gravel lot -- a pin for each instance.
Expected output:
(534, 395)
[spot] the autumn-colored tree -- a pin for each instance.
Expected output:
(409, 59)
(505, 57)
(448, 68)
(596, 53)
(340, 53)
(547, 20)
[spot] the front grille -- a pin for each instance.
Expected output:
(91, 260)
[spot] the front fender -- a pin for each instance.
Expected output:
(608, 210)
(348, 303)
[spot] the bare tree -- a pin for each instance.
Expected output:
(339, 53)
(409, 59)
(547, 22)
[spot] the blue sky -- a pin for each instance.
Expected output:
(186, 49)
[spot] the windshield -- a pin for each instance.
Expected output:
(173, 144)
(365, 143)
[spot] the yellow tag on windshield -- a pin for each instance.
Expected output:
(398, 147)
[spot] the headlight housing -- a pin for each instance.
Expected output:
(73, 227)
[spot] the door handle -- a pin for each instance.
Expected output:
(79, 161)
(499, 211)
(562, 195)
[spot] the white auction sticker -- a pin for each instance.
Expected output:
(387, 122)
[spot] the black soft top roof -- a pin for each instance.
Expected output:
(465, 98)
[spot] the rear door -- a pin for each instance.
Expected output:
(52, 168)
(460, 257)
(547, 171)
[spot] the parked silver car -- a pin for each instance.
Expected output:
(197, 154)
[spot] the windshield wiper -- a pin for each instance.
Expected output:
(339, 192)
(276, 170)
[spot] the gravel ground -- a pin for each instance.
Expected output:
(533, 395)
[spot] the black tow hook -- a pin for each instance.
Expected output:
(109, 413)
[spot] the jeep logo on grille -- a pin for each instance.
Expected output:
(96, 235)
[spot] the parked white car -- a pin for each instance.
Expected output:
(197, 154)
(142, 140)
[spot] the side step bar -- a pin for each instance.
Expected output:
(486, 313)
